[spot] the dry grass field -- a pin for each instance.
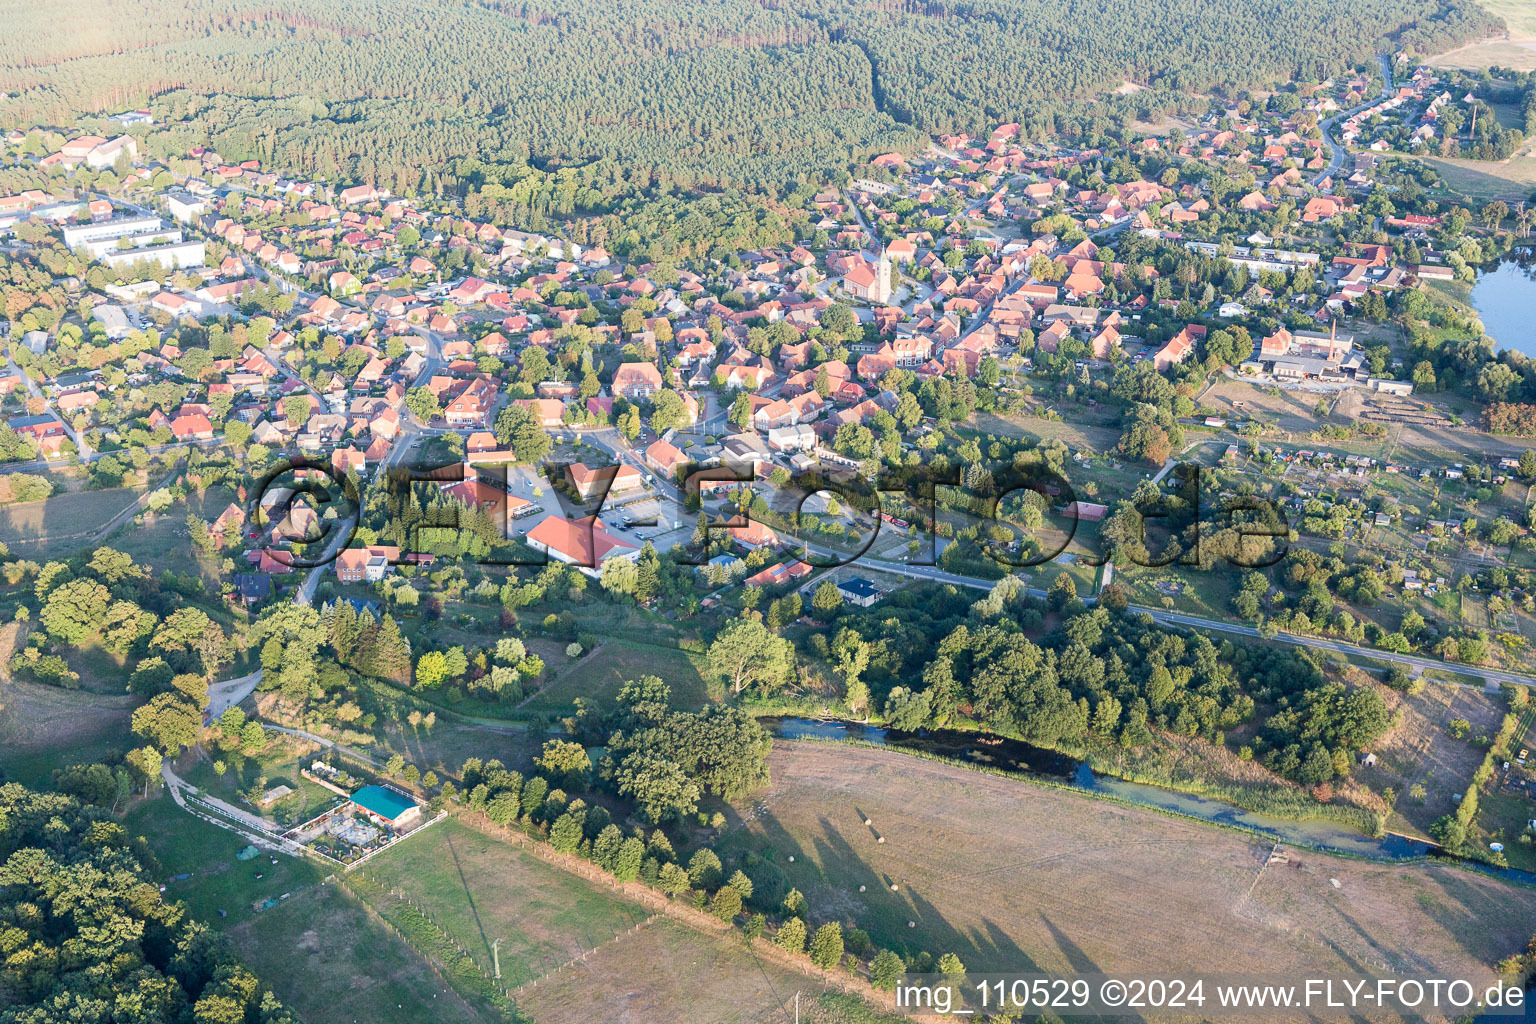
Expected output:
(1076, 435)
(1016, 877)
(37, 722)
(1486, 180)
(1514, 54)
(1421, 752)
(1514, 49)
(1291, 410)
(331, 963)
(480, 889)
(37, 526)
(668, 972)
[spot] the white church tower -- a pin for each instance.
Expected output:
(881, 292)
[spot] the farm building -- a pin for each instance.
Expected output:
(386, 806)
(1087, 511)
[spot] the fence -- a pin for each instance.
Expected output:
(582, 958)
(391, 844)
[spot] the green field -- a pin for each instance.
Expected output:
(1519, 15)
(185, 844)
(40, 527)
(46, 727)
(599, 676)
(331, 963)
(479, 889)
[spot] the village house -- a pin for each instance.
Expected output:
(588, 481)
(635, 381)
(370, 564)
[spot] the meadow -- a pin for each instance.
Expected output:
(1485, 180)
(599, 675)
(46, 727)
(1421, 752)
(479, 889)
(1515, 49)
(667, 972)
(1016, 877)
(61, 523)
(331, 962)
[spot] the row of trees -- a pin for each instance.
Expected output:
(663, 760)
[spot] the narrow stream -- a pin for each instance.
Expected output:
(1026, 759)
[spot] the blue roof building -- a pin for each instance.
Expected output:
(387, 806)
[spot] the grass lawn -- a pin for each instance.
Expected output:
(600, 674)
(185, 844)
(39, 529)
(1016, 877)
(331, 963)
(667, 972)
(278, 763)
(47, 727)
(479, 889)
(307, 948)
(1501, 818)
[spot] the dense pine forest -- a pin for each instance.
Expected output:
(637, 96)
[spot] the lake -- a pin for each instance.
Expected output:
(1505, 299)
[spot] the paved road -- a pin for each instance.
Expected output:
(1335, 147)
(226, 694)
(1492, 676)
(34, 391)
(1412, 661)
